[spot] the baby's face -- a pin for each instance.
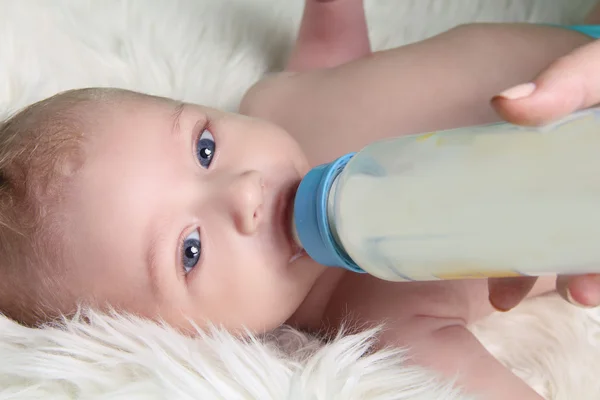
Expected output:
(185, 213)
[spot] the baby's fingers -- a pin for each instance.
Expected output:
(506, 293)
(570, 83)
(581, 290)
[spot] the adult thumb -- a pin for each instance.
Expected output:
(572, 82)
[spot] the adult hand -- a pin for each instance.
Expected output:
(569, 84)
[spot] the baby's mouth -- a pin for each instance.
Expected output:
(287, 211)
(297, 255)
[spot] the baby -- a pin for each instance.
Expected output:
(182, 212)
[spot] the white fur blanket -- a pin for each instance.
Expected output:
(210, 51)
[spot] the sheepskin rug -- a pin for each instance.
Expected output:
(210, 51)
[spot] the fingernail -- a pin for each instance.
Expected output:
(518, 92)
(574, 302)
(498, 307)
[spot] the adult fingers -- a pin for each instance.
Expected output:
(581, 290)
(570, 83)
(506, 293)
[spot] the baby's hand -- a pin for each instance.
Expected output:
(569, 84)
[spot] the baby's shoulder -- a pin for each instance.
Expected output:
(262, 98)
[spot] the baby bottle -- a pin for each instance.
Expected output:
(488, 201)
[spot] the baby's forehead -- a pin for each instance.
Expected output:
(135, 103)
(124, 117)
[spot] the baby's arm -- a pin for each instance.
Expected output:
(443, 82)
(331, 33)
(431, 320)
(455, 352)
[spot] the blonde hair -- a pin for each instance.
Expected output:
(40, 151)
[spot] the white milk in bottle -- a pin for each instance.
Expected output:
(489, 201)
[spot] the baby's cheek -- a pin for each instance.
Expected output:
(236, 295)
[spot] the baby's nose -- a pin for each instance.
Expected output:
(247, 201)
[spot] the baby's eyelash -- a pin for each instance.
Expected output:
(201, 126)
(208, 125)
(181, 248)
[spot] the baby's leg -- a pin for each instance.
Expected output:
(332, 32)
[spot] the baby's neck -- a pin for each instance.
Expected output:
(309, 316)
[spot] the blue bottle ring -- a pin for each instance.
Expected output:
(310, 216)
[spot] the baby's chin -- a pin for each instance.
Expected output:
(249, 327)
(266, 323)
(297, 254)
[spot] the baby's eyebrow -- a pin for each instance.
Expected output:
(176, 128)
(155, 243)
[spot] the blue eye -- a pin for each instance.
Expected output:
(191, 250)
(205, 149)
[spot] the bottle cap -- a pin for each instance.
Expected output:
(310, 216)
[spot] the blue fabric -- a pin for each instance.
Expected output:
(590, 30)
